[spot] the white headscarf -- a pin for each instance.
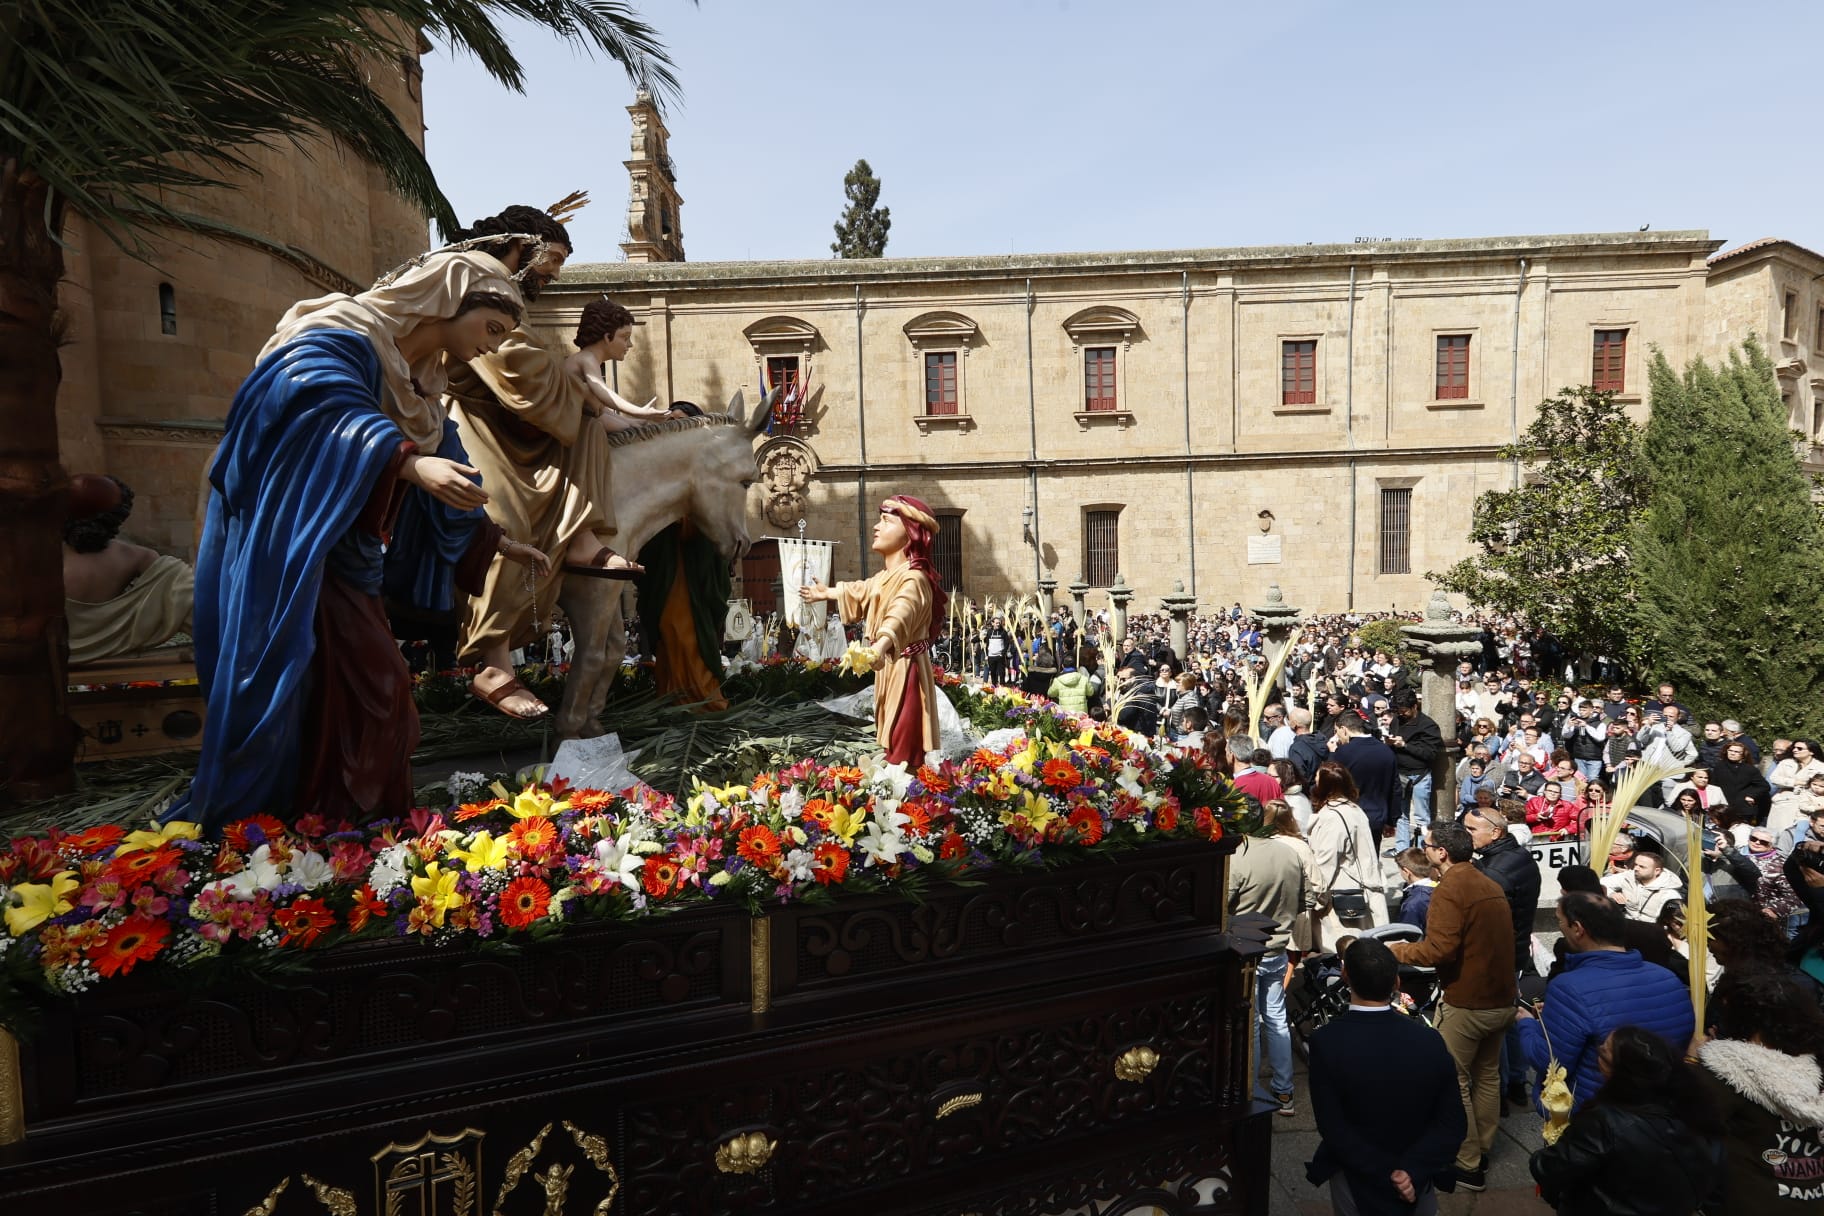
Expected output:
(432, 291)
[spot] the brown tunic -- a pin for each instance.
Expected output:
(896, 607)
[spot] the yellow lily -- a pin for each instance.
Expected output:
(1037, 811)
(145, 839)
(436, 892)
(1001, 784)
(1084, 740)
(845, 824)
(484, 852)
(529, 802)
(39, 901)
(1026, 759)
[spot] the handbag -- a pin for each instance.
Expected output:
(1349, 903)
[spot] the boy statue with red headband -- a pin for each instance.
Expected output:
(903, 607)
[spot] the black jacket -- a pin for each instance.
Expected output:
(1384, 1091)
(1423, 744)
(1371, 763)
(1745, 788)
(1617, 1161)
(1307, 752)
(1517, 874)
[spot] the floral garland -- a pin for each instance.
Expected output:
(84, 907)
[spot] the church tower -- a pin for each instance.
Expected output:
(654, 233)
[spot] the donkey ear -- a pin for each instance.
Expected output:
(764, 412)
(737, 407)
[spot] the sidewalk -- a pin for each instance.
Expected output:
(1510, 1186)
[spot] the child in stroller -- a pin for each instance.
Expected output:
(1318, 995)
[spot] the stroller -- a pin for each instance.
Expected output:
(1318, 995)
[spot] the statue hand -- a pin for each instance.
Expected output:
(446, 481)
(526, 555)
(815, 592)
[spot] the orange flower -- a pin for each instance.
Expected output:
(1088, 823)
(760, 845)
(304, 921)
(954, 846)
(475, 810)
(819, 811)
(1061, 775)
(241, 834)
(591, 802)
(661, 875)
(367, 906)
(94, 840)
(1207, 826)
(983, 758)
(535, 837)
(842, 774)
(143, 865)
(132, 941)
(524, 901)
(829, 863)
(1167, 816)
(932, 780)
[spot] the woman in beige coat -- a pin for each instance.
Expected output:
(1347, 860)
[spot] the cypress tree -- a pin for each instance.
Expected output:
(862, 231)
(1729, 553)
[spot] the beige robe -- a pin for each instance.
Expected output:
(896, 608)
(531, 428)
(154, 607)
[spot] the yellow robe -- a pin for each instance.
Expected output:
(531, 429)
(896, 607)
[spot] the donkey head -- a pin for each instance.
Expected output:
(724, 471)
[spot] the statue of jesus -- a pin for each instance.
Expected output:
(903, 607)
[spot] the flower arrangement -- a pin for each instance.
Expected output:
(84, 907)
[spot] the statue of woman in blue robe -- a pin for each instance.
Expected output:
(309, 705)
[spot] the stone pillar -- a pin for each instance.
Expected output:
(1048, 588)
(1180, 605)
(1442, 644)
(1078, 610)
(1118, 596)
(1277, 618)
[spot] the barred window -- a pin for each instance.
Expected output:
(947, 550)
(1396, 530)
(1101, 546)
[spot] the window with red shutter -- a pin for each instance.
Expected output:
(1298, 372)
(940, 382)
(1609, 362)
(1099, 378)
(1453, 367)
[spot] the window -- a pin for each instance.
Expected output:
(1817, 418)
(947, 550)
(1609, 361)
(782, 373)
(1396, 530)
(1101, 546)
(167, 308)
(1817, 341)
(1789, 315)
(940, 382)
(1453, 366)
(1099, 378)
(1298, 372)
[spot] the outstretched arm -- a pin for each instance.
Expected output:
(607, 398)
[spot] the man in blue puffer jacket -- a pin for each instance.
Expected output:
(1603, 985)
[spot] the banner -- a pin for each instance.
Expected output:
(801, 563)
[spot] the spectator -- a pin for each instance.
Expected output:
(1805, 874)
(1071, 690)
(1743, 941)
(1469, 939)
(1732, 731)
(1586, 734)
(1742, 784)
(1514, 870)
(1472, 784)
(1788, 777)
(1645, 1142)
(1524, 779)
(1644, 888)
(1283, 824)
(1371, 768)
(1139, 707)
(1252, 776)
(1293, 787)
(1811, 827)
(1307, 750)
(1647, 940)
(1774, 895)
(1762, 1071)
(1267, 880)
(1279, 733)
(1354, 889)
(1194, 722)
(1188, 698)
(1416, 742)
(1421, 876)
(1671, 924)
(1551, 815)
(1389, 1116)
(1604, 985)
(1041, 673)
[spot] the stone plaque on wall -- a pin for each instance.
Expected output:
(1263, 551)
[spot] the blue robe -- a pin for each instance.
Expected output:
(306, 445)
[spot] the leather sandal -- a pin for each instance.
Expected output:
(597, 566)
(506, 690)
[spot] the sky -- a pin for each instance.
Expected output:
(1045, 126)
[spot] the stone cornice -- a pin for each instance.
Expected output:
(191, 432)
(1330, 456)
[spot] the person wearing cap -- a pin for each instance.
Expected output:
(119, 598)
(903, 607)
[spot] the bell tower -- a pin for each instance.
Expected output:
(654, 231)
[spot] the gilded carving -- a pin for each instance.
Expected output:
(960, 1102)
(760, 964)
(335, 1200)
(266, 1205)
(1136, 1063)
(745, 1153)
(556, 1183)
(596, 1149)
(517, 1166)
(12, 1091)
(438, 1174)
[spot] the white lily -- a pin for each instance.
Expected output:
(791, 803)
(798, 865)
(882, 844)
(310, 870)
(620, 859)
(893, 777)
(1128, 780)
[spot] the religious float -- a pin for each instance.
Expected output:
(1001, 983)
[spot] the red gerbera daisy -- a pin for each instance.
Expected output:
(932, 780)
(954, 847)
(524, 901)
(660, 875)
(1060, 775)
(304, 921)
(246, 835)
(367, 906)
(132, 941)
(1207, 827)
(143, 864)
(94, 840)
(1088, 823)
(591, 802)
(760, 845)
(819, 811)
(829, 863)
(475, 810)
(535, 837)
(1167, 816)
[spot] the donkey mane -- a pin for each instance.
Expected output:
(666, 426)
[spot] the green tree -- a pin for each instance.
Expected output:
(1730, 550)
(1555, 548)
(122, 111)
(862, 231)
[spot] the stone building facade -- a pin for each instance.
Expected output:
(1320, 417)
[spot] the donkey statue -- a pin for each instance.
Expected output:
(695, 468)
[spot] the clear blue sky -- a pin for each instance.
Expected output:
(1061, 125)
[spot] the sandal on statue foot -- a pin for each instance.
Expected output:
(598, 567)
(506, 690)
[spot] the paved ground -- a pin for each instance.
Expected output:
(1510, 1186)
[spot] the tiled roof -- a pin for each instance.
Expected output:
(1762, 243)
